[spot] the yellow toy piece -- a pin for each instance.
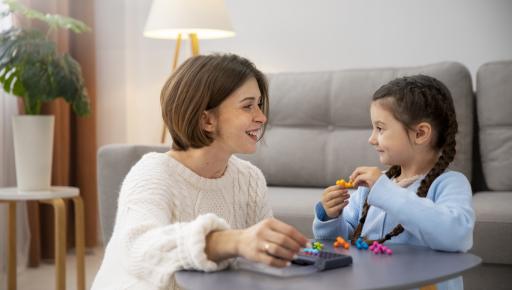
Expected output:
(343, 183)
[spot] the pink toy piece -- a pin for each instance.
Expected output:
(378, 248)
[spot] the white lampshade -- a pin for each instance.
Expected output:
(206, 18)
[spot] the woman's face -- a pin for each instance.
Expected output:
(238, 120)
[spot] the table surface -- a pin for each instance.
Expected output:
(408, 267)
(14, 194)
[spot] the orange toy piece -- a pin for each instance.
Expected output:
(340, 242)
(343, 183)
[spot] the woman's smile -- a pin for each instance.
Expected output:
(254, 134)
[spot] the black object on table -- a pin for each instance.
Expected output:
(322, 260)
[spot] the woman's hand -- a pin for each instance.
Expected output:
(365, 176)
(334, 199)
(271, 242)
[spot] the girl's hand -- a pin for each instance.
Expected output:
(271, 242)
(366, 176)
(334, 199)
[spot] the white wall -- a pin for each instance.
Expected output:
(290, 35)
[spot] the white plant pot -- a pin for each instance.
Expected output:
(33, 149)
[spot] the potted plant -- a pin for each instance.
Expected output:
(32, 69)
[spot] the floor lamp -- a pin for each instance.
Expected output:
(187, 19)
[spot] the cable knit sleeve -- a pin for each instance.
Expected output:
(259, 206)
(154, 247)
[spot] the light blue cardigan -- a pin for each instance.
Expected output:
(444, 220)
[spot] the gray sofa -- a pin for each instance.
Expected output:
(318, 130)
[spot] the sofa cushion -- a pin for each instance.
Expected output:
(493, 228)
(295, 206)
(494, 99)
(319, 122)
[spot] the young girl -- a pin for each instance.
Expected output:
(417, 200)
(197, 206)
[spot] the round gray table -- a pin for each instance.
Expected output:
(408, 267)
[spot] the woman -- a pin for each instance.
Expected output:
(197, 206)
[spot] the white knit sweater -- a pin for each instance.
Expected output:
(164, 213)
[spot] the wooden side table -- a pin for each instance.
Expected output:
(55, 197)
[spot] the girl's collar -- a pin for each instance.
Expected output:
(409, 180)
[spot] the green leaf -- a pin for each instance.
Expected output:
(7, 82)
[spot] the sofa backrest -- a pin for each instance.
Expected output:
(319, 122)
(493, 99)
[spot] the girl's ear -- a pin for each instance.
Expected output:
(208, 121)
(423, 133)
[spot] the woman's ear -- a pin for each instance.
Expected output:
(423, 133)
(208, 121)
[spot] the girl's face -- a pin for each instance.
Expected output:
(389, 137)
(238, 121)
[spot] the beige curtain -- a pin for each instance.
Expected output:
(74, 160)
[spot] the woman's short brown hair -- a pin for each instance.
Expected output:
(202, 83)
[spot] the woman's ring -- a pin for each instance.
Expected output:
(266, 247)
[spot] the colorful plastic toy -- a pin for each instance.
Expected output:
(318, 246)
(377, 248)
(340, 242)
(343, 183)
(361, 244)
(310, 251)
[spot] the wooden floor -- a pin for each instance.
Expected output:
(43, 277)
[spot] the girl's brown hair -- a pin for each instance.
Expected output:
(412, 100)
(202, 83)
